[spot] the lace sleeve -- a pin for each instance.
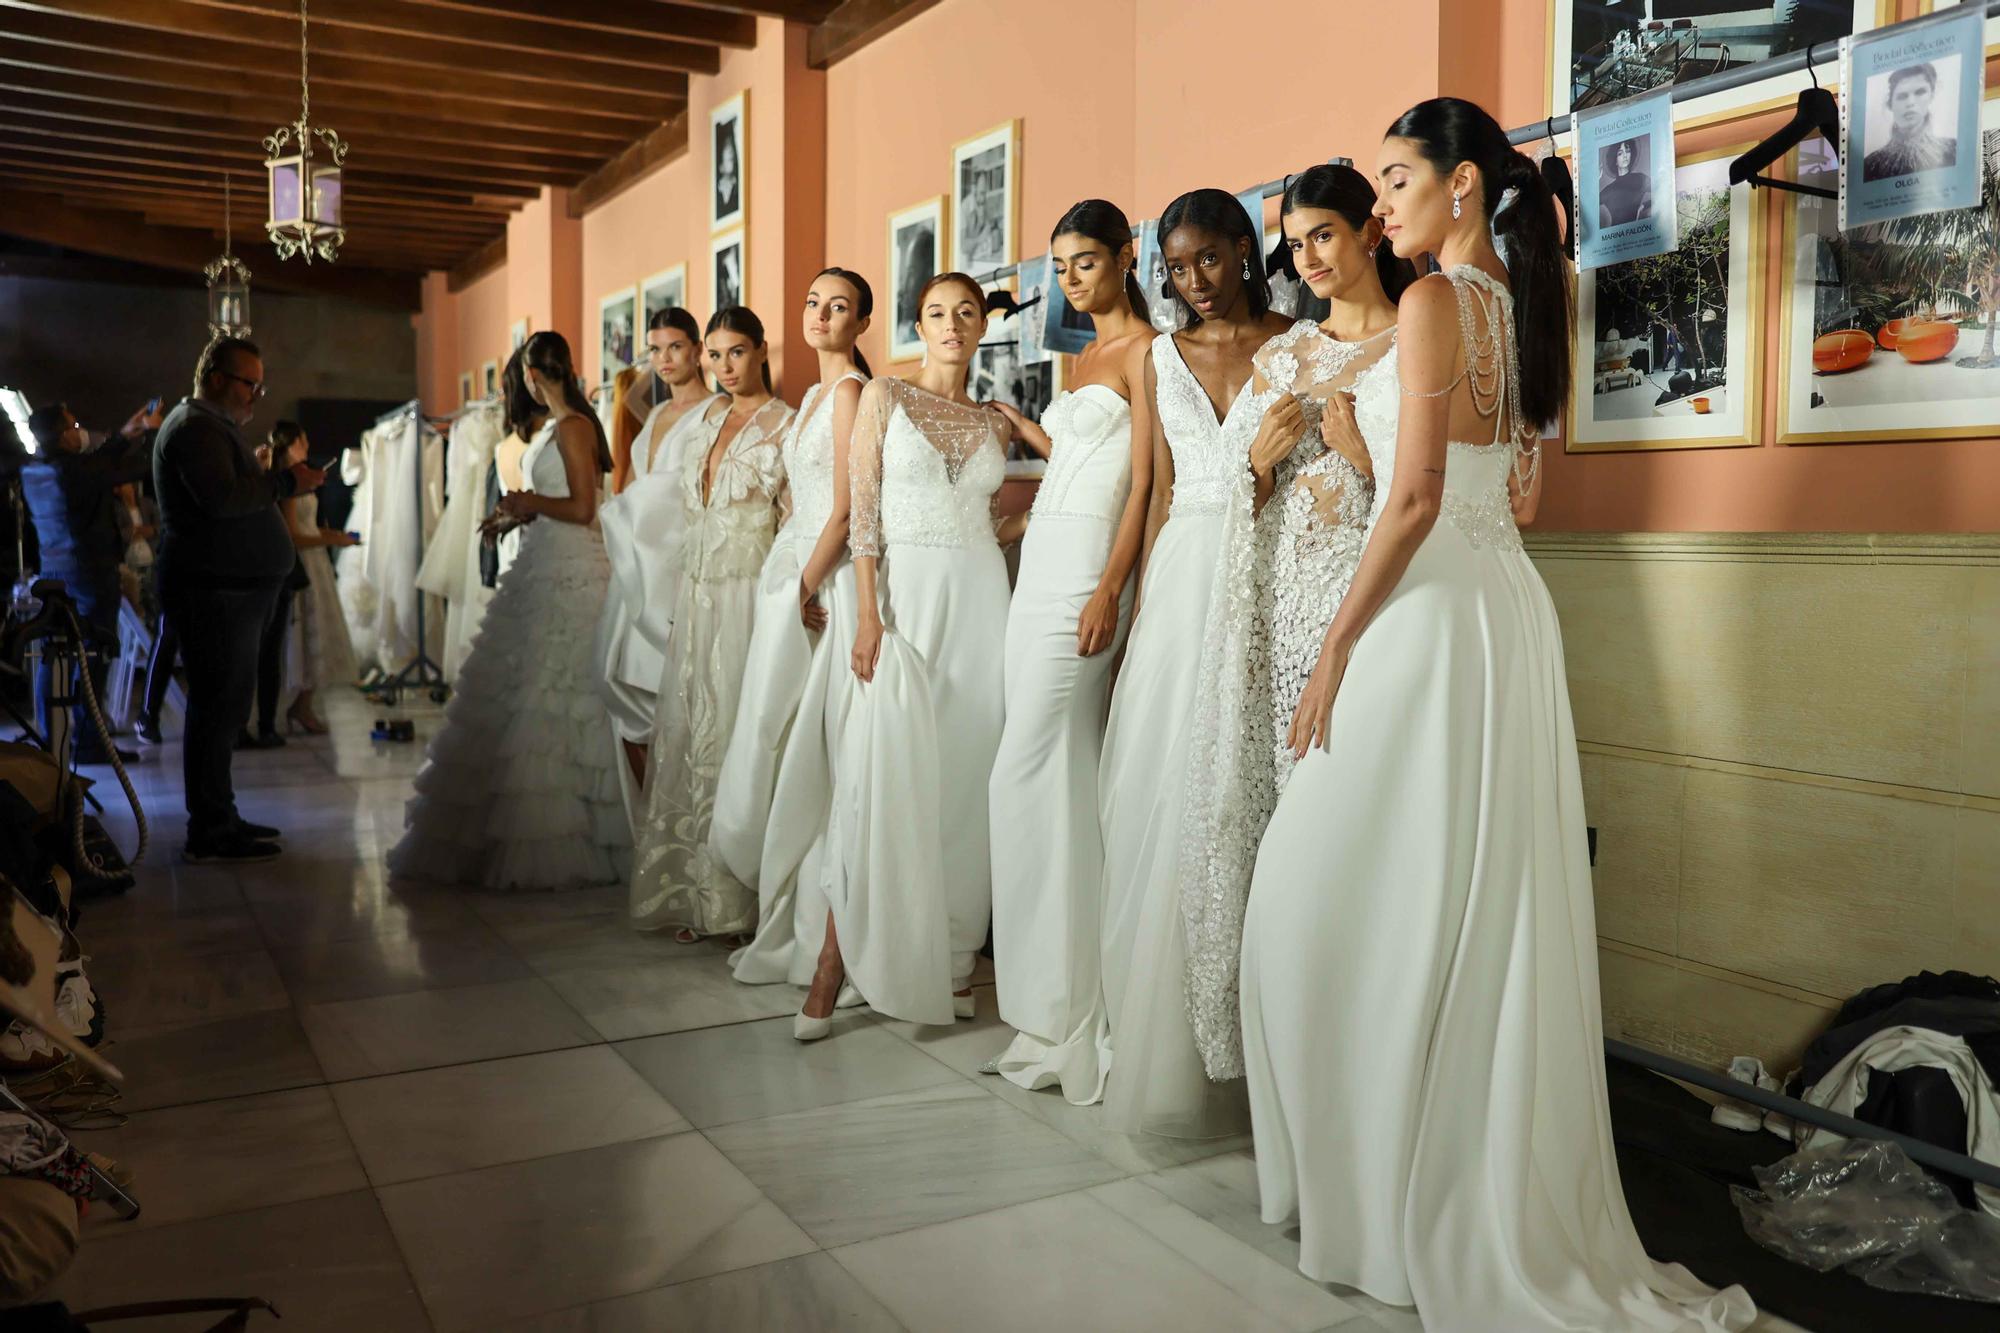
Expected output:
(864, 469)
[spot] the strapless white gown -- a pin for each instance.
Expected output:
(774, 672)
(1048, 854)
(519, 789)
(1157, 1083)
(1421, 1017)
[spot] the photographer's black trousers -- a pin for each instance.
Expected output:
(219, 628)
(97, 597)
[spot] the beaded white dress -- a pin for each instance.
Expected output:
(1283, 572)
(774, 673)
(519, 789)
(677, 882)
(908, 873)
(1048, 854)
(318, 654)
(1157, 1082)
(1421, 1019)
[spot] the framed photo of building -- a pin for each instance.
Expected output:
(617, 336)
(489, 379)
(986, 200)
(1608, 50)
(464, 387)
(729, 163)
(729, 269)
(1887, 332)
(662, 291)
(1669, 346)
(916, 240)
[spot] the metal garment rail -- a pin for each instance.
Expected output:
(1722, 81)
(1958, 1164)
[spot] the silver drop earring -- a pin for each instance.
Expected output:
(1246, 268)
(1454, 205)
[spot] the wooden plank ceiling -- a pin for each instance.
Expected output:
(119, 118)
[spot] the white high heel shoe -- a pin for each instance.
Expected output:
(805, 1028)
(963, 1006)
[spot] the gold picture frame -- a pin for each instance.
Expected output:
(985, 234)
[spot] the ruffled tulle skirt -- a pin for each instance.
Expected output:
(519, 789)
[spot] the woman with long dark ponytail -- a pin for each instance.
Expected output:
(1195, 407)
(1421, 1020)
(520, 788)
(732, 483)
(798, 651)
(1072, 601)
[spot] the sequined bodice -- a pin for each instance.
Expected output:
(923, 470)
(1090, 459)
(1208, 454)
(809, 461)
(728, 534)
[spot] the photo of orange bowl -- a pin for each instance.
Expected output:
(1700, 406)
(1841, 351)
(1886, 336)
(1926, 341)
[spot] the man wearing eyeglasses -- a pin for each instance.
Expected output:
(224, 553)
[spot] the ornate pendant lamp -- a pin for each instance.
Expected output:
(228, 284)
(305, 189)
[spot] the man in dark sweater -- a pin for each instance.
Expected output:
(224, 553)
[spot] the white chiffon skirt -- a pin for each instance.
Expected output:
(792, 865)
(909, 877)
(319, 655)
(1048, 854)
(519, 790)
(1157, 1084)
(774, 678)
(1419, 982)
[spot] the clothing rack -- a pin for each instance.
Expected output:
(421, 671)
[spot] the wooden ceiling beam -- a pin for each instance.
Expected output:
(856, 23)
(114, 168)
(477, 264)
(648, 155)
(69, 47)
(47, 218)
(55, 150)
(410, 139)
(688, 23)
(792, 11)
(346, 57)
(488, 27)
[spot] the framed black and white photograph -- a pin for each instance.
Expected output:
(985, 199)
(489, 379)
(728, 267)
(617, 332)
(1668, 345)
(1888, 331)
(729, 162)
(663, 291)
(464, 387)
(916, 236)
(1002, 374)
(1609, 50)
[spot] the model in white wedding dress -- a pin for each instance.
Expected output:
(730, 505)
(1422, 1025)
(519, 788)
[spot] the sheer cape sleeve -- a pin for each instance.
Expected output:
(864, 468)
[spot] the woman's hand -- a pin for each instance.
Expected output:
(335, 537)
(1342, 433)
(517, 506)
(867, 645)
(811, 613)
(1315, 710)
(1098, 625)
(1015, 421)
(1277, 435)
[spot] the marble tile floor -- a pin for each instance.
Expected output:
(391, 1107)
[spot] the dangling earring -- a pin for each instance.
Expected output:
(1454, 205)
(1246, 266)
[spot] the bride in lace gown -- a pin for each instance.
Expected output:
(908, 873)
(519, 789)
(1420, 1006)
(731, 483)
(1291, 541)
(1196, 407)
(1072, 600)
(642, 538)
(808, 549)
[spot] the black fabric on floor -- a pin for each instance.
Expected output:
(1678, 1167)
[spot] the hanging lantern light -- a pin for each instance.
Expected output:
(228, 284)
(305, 188)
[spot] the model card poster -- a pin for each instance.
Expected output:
(1912, 122)
(1625, 180)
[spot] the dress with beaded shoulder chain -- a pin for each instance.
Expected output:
(1421, 1022)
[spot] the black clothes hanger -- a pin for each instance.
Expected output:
(1818, 112)
(1555, 175)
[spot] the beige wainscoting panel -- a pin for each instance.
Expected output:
(1976, 914)
(1636, 808)
(1620, 619)
(1814, 887)
(1702, 1017)
(1980, 761)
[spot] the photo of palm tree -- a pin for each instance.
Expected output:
(1892, 326)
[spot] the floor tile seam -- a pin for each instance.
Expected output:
(407, 932)
(963, 1217)
(594, 1040)
(163, 1029)
(380, 1185)
(402, 1254)
(323, 1082)
(114, 1229)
